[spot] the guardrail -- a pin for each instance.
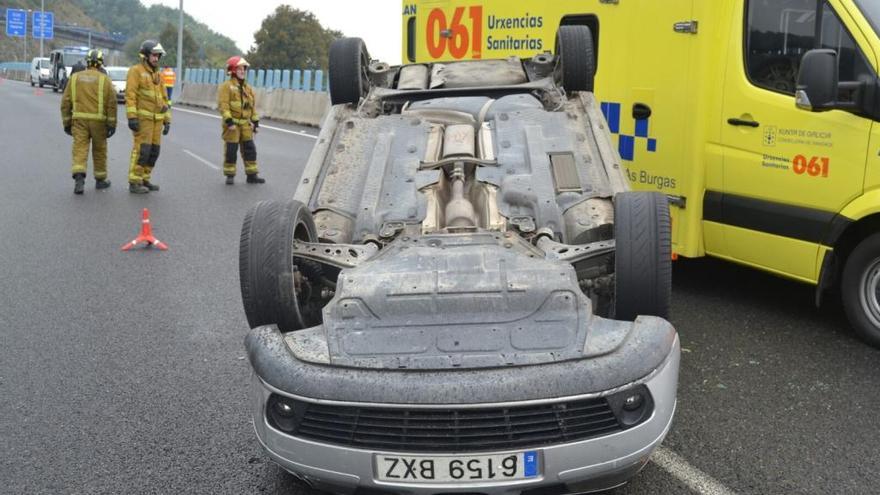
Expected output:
(296, 79)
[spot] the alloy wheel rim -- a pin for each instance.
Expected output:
(870, 292)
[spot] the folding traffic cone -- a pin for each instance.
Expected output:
(146, 235)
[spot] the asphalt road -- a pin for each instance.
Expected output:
(125, 372)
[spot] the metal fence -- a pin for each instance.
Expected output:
(8, 66)
(300, 80)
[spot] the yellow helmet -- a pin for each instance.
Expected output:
(95, 58)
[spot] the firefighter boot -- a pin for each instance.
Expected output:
(255, 179)
(102, 183)
(152, 187)
(79, 184)
(137, 188)
(230, 180)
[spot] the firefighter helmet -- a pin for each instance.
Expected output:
(95, 58)
(234, 62)
(149, 47)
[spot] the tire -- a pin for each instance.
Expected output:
(576, 60)
(643, 255)
(860, 289)
(348, 70)
(41, 84)
(32, 82)
(266, 267)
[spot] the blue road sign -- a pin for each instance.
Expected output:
(43, 25)
(16, 22)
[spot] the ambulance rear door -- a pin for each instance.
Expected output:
(644, 57)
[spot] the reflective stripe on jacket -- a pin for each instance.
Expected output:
(89, 95)
(236, 101)
(145, 97)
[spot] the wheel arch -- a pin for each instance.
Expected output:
(843, 239)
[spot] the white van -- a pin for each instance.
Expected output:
(118, 75)
(40, 71)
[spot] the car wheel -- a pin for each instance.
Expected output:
(575, 58)
(643, 255)
(860, 289)
(349, 60)
(266, 267)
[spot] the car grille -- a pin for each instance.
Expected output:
(450, 430)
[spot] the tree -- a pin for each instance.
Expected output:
(168, 38)
(291, 38)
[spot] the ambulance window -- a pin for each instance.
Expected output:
(779, 32)
(411, 39)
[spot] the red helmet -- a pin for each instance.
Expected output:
(234, 62)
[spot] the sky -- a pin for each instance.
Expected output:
(378, 22)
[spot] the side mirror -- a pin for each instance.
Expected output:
(817, 83)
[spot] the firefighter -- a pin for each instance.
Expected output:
(168, 79)
(88, 111)
(237, 105)
(148, 115)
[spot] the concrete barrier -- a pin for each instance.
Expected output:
(287, 105)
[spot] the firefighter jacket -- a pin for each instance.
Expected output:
(236, 101)
(89, 95)
(145, 97)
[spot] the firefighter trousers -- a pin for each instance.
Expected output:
(145, 151)
(85, 131)
(235, 137)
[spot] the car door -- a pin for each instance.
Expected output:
(786, 171)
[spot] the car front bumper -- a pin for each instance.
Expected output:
(593, 464)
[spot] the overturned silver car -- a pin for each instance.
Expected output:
(463, 295)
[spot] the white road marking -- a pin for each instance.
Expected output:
(682, 470)
(273, 128)
(197, 157)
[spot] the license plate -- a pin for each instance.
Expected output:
(457, 469)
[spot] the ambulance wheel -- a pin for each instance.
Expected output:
(267, 273)
(860, 289)
(349, 61)
(575, 58)
(643, 255)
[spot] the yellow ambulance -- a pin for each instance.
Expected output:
(757, 118)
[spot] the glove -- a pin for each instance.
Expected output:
(134, 124)
(256, 125)
(67, 130)
(111, 131)
(166, 128)
(229, 123)
(164, 109)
